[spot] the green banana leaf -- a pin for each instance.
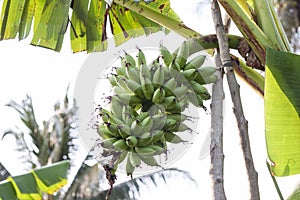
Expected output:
(88, 23)
(282, 109)
(28, 186)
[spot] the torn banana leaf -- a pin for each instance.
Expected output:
(282, 109)
(48, 179)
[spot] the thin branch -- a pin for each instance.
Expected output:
(237, 104)
(216, 146)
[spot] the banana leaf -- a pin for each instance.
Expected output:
(88, 22)
(282, 109)
(28, 186)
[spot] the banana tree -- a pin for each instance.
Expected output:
(256, 19)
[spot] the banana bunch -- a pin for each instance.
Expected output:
(147, 105)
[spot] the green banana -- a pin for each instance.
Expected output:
(144, 151)
(189, 74)
(182, 55)
(142, 116)
(169, 86)
(133, 73)
(129, 168)
(120, 145)
(136, 128)
(145, 72)
(145, 139)
(158, 149)
(112, 80)
(179, 117)
(104, 132)
(158, 76)
(149, 160)
(175, 66)
(169, 102)
(166, 55)
(195, 99)
(147, 87)
(121, 71)
(108, 143)
(198, 88)
(131, 141)
(181, 127)
(129, 60)
(113, 128)
(157, 135)
(206, 71)
(141, 58)
(195, 63)
(124, 130)
(169, 124)
(147, 124)
(158, 122)
(173, 138)
(122, 157)
(158, 95)
(130, 99)
(134, 159)
(180, 91)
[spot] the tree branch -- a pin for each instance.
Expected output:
(237, 104)
(216, 146)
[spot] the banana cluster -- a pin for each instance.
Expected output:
(146, 108)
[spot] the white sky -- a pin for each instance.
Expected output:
(45, 75)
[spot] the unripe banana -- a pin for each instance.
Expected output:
(167, 56)
(113, 128)
(180, 128)
(158, 122)
(147, 124)
(129, 168)
(179, 117)
(121, 71)
(157, 135)
(131, 141)
(122, 157)
(207, 71)
(175, 66)
(108, 143)
(158, 96)
(134, 159)
(189, 74)
(133, 73)
(198, 88)
(120, 145)
(130, 99)
(182, 55)
(170, 124)
(180, 91)
(104, 133)
(195, 99)
(129, 60)
(169, 102)
(144, 151)
(142, 116)
(136, 128)
(158, 149)
(179, 106)
(211, 79)
(112, 80)
(149, 160)
(144, 72)
(147, 87)
(169, 86)
(158, 76)
(141, 58)
(195, 63)
(173, 138)
(145, 139)
(124, 130)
